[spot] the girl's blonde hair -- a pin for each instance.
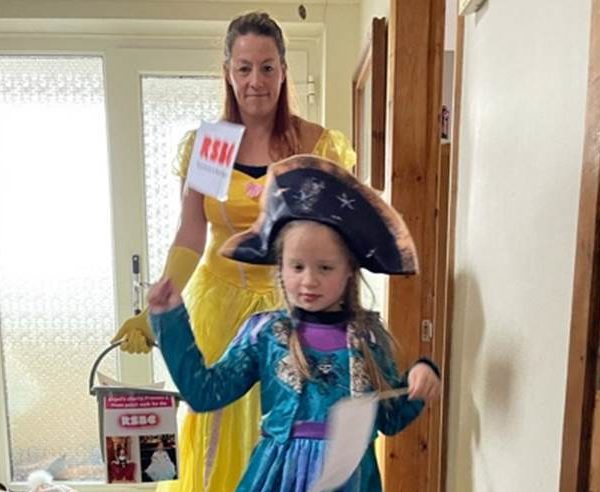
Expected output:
(367, 328)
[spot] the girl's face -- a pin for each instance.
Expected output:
(315, 267)
(256, 74)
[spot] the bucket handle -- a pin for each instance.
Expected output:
(112, 346)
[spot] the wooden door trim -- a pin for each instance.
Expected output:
(585, 315)
(373, 65)
(448, 308)
(444, 286)
(415, 56)
(378, 102)
(441, 339)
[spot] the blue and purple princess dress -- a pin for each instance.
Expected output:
(290, 454)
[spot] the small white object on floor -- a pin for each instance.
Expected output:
(41, 481)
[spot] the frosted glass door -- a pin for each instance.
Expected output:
(56, 260)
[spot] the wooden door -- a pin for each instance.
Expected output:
(415, 54)
(595, 460)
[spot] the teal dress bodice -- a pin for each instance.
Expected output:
(330, 382)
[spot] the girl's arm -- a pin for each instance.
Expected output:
(423, 383)
(395, 414)
(424, 380)
(203, 388)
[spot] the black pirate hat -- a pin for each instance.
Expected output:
(307, 187)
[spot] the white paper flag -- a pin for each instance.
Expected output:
(349, 429)
(211, 163)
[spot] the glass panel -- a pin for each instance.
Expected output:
(171, 106)
(56, 277)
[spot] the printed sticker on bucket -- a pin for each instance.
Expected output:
(140, 437)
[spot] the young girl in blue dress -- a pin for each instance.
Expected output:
(319, 225)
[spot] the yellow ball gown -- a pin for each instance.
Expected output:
(214, 447)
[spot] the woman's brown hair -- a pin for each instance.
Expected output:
(284, 140)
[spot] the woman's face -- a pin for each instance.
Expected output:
(256, 74)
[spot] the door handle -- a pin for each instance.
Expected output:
(137, 286)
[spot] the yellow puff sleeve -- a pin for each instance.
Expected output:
(334, 145)
(184, 152)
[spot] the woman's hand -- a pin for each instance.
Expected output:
(423, 383)
(163, 296)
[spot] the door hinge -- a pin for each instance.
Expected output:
(426, 330)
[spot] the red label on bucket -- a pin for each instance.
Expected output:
(139, 401)
(138, 420)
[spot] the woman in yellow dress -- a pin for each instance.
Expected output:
(214, 447)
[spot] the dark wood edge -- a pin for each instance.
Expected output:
(373, 62)
(585, 315)
(452, 196)
(440, 323)
(435, 283)
(378, 101)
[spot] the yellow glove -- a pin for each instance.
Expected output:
(136, 333)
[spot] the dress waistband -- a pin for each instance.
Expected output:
(307, 430)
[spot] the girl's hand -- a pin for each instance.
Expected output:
(163, 296)
(423, 383)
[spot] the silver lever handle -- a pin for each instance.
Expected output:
(136, 280)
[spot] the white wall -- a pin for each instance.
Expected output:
(341, 44)
(525, 70)
(368, 10)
